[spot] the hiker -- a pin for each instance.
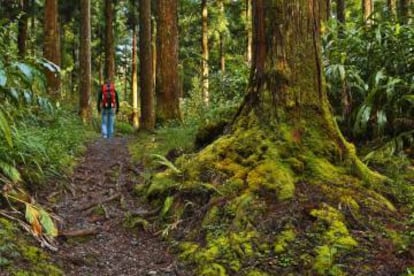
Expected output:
(108, 103)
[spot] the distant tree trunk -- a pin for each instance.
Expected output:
(23, 21)
(404, 10)
(367, 10)
(222, 38)
(328, 9)
(167, 89)
(340, 15)
(392, 7)
(340, 11)
(85, 59)
(205, 53)
(109, 41)
(147, 120)
(249, 33)
(51, 49)
(134, 78)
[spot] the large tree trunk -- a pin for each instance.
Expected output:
(167, 89)
(51, 49)
(23, 21)
(205, 53)
(85, 59)
(281, 166)
(147, 120)
(109, 41)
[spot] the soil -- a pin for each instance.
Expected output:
(98, 198)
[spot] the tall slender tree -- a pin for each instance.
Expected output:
(134, 60)
(167, 86)
(147, 119)
(222, 35)
(340, 15)
(249, 34)
(85, 59)
(109, 40)
(405, 10)
(23, 22)
(367, 9)
(392, 7)
(51, 50)
(205, 53)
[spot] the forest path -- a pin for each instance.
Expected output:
(94, 240)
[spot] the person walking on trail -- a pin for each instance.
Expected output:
(108, 104)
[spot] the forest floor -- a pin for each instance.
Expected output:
(94, 209)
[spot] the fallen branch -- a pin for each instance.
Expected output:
(79, 232)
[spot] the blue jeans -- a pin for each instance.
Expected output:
(108, 121)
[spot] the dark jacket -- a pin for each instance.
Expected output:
(99, 107)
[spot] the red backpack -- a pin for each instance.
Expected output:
(108, 95)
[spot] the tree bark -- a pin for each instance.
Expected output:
(340, 11)
(134, 79)
(404, 10)
(85, 59)
(51, 49)
(23, 21)
(109, 41)
(367, 10)
(222, 38)
(392, 7)
(249, 31)
(205, 53)
(167, 89)
(147, 120)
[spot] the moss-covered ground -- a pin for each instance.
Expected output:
(281, 202)
(20, 256)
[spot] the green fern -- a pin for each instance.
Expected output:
(162, 160)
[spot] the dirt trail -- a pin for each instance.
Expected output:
(106, 173)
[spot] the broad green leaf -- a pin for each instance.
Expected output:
(10, 172)
(48, 224)
(32, 216)
(51, 66)
(26, 70)
(3, 78)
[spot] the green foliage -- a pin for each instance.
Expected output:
(370, 75)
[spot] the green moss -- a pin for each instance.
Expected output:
(274, 177)
(15, 250)
(211, 217)
(256, 272)
(283, 240)
(335, 238)
(213, 269)
(322, 170)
